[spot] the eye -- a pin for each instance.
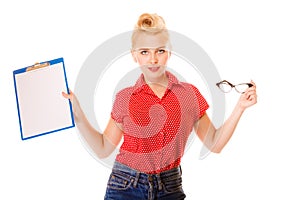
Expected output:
(161, 51)
(144, 52)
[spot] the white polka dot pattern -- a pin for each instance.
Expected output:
(156, 130)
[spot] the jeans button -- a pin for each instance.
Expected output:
(150, 178)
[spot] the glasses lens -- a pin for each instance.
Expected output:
(241, 88)
(225, 87)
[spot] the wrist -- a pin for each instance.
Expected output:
(239, 108)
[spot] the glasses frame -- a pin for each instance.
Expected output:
(232, 86)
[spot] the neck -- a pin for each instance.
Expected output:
(162, 80)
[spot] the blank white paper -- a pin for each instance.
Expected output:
(42, 108)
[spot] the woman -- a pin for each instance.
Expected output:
(155, 117)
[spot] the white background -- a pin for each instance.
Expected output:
(246, 40)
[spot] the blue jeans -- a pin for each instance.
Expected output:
(129, 184)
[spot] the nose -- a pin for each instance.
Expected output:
(153, 58)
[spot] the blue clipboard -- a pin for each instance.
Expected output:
(41, 107)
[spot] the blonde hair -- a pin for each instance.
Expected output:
(150, 24)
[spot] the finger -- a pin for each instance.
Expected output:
(250, 97)
(68, 96)
(253, 83)
(70, 92)
(253, 88)
(253, 98)
(251, 92)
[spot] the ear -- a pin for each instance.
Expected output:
(133, 55)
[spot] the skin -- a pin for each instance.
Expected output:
(150, 54)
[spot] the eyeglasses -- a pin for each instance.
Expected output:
(226, 86)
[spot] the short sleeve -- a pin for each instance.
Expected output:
(202, 105)
(117, 112)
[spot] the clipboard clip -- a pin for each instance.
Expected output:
(37, 66)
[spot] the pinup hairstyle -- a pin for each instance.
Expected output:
(150, 24)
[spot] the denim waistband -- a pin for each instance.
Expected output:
(145, 177)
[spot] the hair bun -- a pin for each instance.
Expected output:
(150, 22)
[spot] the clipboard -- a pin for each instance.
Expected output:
(41, 107)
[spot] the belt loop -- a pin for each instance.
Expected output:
(159, 182)
(136, 179)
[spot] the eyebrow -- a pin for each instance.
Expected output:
(149, 48)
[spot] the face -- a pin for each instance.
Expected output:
(151, 53)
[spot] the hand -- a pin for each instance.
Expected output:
(248, 98)
(75, 103)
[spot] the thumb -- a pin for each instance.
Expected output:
(67, 96)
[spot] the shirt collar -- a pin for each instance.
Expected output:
(142, 85)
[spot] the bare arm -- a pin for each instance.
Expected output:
(216, 139)
(102, 144)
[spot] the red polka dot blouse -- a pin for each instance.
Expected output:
(156, 129)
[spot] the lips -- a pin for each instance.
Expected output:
(153, 69)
